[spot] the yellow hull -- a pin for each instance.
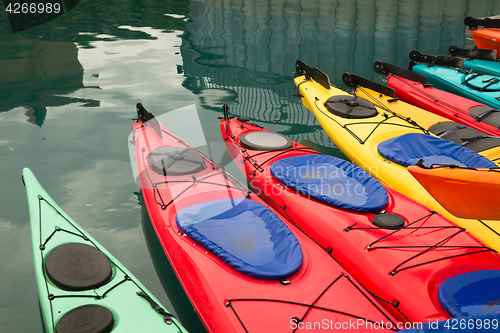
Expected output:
(358, 140)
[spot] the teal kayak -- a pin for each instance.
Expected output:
(82, 287)
(446, 73)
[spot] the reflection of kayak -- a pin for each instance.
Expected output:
(241, 266)
(369, 142)
(466, 193)
(176, 295)
(81, 286)
(415, 91)
(385, 239)
(484, 88)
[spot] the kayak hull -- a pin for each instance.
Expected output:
(452, 188)
(359, 140)
(451, 80)
(353, 239)
(52, 228)
(440, 102)
(225, 299)
(487, 38)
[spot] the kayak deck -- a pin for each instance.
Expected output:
(421, 249)
(77, 278)
(359, 140)
(227, 299)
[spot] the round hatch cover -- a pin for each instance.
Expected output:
(388, 221)
(90, 318)
(350, 107)
(77, 266)
(175, 161)
(265, 140)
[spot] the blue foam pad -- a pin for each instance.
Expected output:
(331, 180)
(245, 234)
(409, 148)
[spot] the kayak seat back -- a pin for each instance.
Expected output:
(350, 107)
(486, 114)
(245, 234)
(471, 294)
(410, 148)
(331, 180)
(465, 136)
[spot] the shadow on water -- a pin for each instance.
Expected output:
(37, 74)
(40, 67)
(177, 296)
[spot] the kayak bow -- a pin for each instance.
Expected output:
(241, 264)
(82, 287)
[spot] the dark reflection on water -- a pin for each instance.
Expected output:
(33, 71)
(243, 52)
(183, 308)
(76, 80)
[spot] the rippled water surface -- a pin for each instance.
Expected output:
(68, 90)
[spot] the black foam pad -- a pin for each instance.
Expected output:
(90, 318)
(468, 137)
(388, 221)
(77, 266)
(486, 114)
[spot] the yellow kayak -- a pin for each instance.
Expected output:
(358, 126)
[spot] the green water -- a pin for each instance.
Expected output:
(68, 90)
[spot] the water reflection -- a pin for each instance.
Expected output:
(180, 302)
(267, 36)
(37, 74)
(243, 53)
(80, 76)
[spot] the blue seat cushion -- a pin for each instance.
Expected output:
(331, 180)
(245, 234)
(471, 294)
(409, 148)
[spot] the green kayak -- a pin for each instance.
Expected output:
(81, 286)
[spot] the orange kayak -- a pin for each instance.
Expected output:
(487, 39)
(485, 32)
(465, 193)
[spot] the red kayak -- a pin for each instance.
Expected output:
(243, 267)
(395, 247)
(411, 88)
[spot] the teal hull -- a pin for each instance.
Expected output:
(454, 81)
(51, 228)
(482, 66)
